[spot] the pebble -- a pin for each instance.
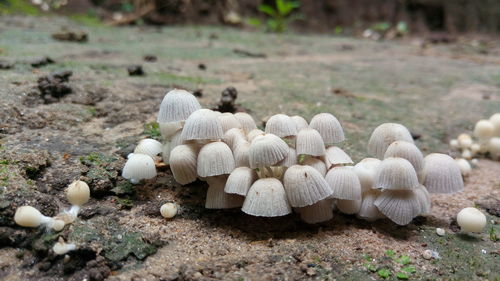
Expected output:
(427, 254)
(440, 231)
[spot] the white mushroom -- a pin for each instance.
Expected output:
(386, 134)
(344, 183)
(329, 127)
(266, 198)
(149, 147)
(366, 170)
(471, 220)
(202, 125)
(309, 142)
(368, 211)
(183, 163)
(267, 150)
(442, 174)
(396, 174)
(217, 198)
(305, 186)
(240, 180)
(300, 122)
(408, 151)
(169, 129)
(400, 206)
(281, 125)
(168, 210)
(228, 121)
(215, 159)
(177, 105)
(318, 212)
(335, 156)
(138, 167)
(484, 129)
(246, 121)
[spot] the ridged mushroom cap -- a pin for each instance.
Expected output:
(217, 198)
(242, 154)
(316, 164)
(344, 183)
(484, 129)
(228, 121)
(267, 150)
(203, 124)
(177, 105)
(329, 128)
(215, 159)
(366, 170)
(254, 133)
(183, 161)
(349, 207)
(169, 129)
(396, 174)
(400, 206)
(149, 147)
(138, 167)
(232, 136)
(309, 142)
(336, 156)
(305, 186)
(368, 211)
(266, 198)
(386, 134)
(318, 212)
(246, 121)
(408, 151)
(300, 122)
(442, 174)
(281, 125)
(290, 159)
(240, 180)
(424, 199)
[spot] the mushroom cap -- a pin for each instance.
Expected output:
(78, 193)
(396, 174)
(329, 128)
(246, 121)
(493, 147)
(281, 125)
(168, 129)
(471, 220)
(424, 199)
(138, 167)
(168, 210)
(464, 141)
(316, 164)
(495, 120)
(28, 216)
(228, 121)
(368, 211)
(305, 186)
(254, 133)
(484, 129)
(266, 198)
(366, 170)
(442, 174)
(290, 159)
(241, 154)
(464, 166)
(149, 147)
(336, 156)
(240, 180)
(300, 122)
(232, 136)
(217, 198)
(400, 206)
(386, 134)
(203, 124)
(318, 212)
(183, 161)
(215, 159)
(344, 183)
(267, 150)
(309, 142)
(408, 151)
(349, 207)
(177, 105)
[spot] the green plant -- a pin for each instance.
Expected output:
(152, 130)
(384, 273)
(279, 16)
(18, 6)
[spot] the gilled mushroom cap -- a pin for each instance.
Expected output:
(396, 174)
(368, 210)
(318, 212)
(386, 134)
(400, 206)
(329, 128)
(344, 183)
(149, 147)
(228, 121)
(215, 159)
(168, 129)
(290, 159)
(309, 142)
(316, 164)
(349, 207)
(232, 136)
(424, 199)
(254, 133)
(336, 156)
(240, 180)
(241, 154)
(203, 124)
(300, 122)
(366, 171)
(305, 186)
(266, 198)
(281, 125)
(408, 151)
(183, 159)
(217, 198)
(267, 150)
(246, 121)
(177, 105)
(138, 167)
(442, 174)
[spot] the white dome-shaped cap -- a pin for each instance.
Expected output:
(254, 133)
(464, 165)
(246, 121)
(78, 193)
(396, 174)
(329, 128)
(336, 156)
(138, 167)
(318, 212)
(442, 174)
(316, 164)
(241, 154)
(266, 198)
(305, 186)
(267, 150)
(366, 170)
(471, 220)
(408, 151)
(177, 105)
(28, 216)
(493, 147)
(217, 198)
(344, 183)
(281, 125)
(149, 147)
(464, 141)
(386, 134)
(215, 159)
(484, 129)
(495, 120)
(240, 180)
(183, 160)
(368, 211)
(228, 121)
(400, 206)
(424, 198)
(232, 136)
(309, 142)
(300, 122)
(203, 124)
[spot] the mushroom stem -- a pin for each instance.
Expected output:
(269, 172)
(74, 211)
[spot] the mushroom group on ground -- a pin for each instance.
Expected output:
(293, 165)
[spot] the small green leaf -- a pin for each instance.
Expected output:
(409, 269)
(371, 267)
(390, 253)
(404, 260)
(384, 273)
(267, 10)
(367, 257)
(402, 275)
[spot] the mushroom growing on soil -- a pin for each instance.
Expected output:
(176, 106)
(139, 167)
(281, 125)
(305, 186)
(366, 171)
(240, 180)
(149, 147)
(168, 210)
(266, 198)
(77, 193)
(442, 174)
(471, 220)
(28, 216)
(183, 163)
(329, 128)
(334, 156)
(384, 135)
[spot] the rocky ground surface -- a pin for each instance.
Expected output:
(70, 110)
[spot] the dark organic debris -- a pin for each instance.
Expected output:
(150, 58)
(55, 85)
(198, 93)
(5, 65)
(202, 66)
(39, 62)
(135, 70)
(346, 47)
(72, 36)
(246, 53)
(415, 136)
(343, 92)
(227, 100)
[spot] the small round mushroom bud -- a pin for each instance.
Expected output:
(464, 165)
(267, 150)
(305, 186)
(138, 167)
(28, 216)
(408, 151)
(494, 147)
(396, 174)
(442, 174)
(246, 121)
(169, 129)
(484, 129)
(464, 141)
(266, 198)
(281, 125)
(454, 144)
(366, 170)
(495, 120)
(177, 105)
(215, 159)
(168, 210)
(228, 121)
(329, 128)
(471, 220)
(202, 125)
(475, 148)
(254, 133)
(183, 161)
(62, 248)
(309, 142)
(149, 147)
(78, 193)
(58, 225)
(335, 156)
(300, 122)
(386, 134)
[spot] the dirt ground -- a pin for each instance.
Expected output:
(49, 137)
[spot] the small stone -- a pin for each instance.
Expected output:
(440, 231)
(135, 70)
(427, 254)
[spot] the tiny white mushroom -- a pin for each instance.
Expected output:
(254, 133)
(202, 125)
(78, 193)
(309, 142)
(168, 210)
(316, 164)
(368, 211)
(329, 128)
(494, 147)
(267, 150)
(281, 125)
(266, 198)
(240, 180)
(233, 136)
(464, 141)
(241, 154)
(169, 129)
(138, 167)
(495, 120)
(228, 121)
(335, 156)
(149, 147)
(396, 174)
(177, 105)
(408, 151)
(217, 198)
(401, 206)
(305, 186)
(464, 165)
(349, 207)
(442, 174)
(386, 134)
(62, 248)
(471, 220)
(183, 161)
(484, 129)
(300, 122)
(246, 121)
(366, 170)
(215, 159)
(344, 183)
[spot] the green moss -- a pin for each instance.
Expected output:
(18, 7)
(124, 188)
(152, 130)
(96, 159)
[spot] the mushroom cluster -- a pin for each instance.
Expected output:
(295, 166)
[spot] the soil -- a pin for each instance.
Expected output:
(437, 90)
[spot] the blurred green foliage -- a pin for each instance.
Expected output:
(17, 7)
(279, 16)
